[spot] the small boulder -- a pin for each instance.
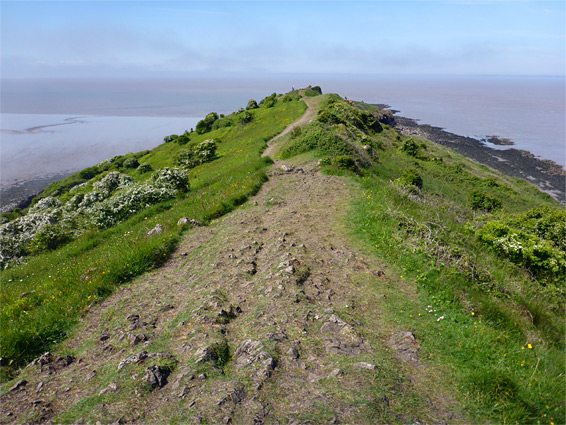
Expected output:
(293, 353)
(406, 346)
(187, 220)
(204, 354)
(20, 384)
(157, 376)
(155, 231)
(365, 365)
(137, 339)
(134, 358)
(111, 388)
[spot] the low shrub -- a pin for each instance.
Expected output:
(484, 202)
(205, 125)
(409, 147)
(144, 168)
(252, 104)
(410, 177)
(317, 136)
(535, 240)
(245, 117)
(183, 139)
(346, 162)
(111, 182)
(199, 154)
(131, 163)
(170, 138)
(340, 112)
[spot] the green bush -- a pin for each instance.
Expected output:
(410, 177)
(484, 202)
(89, 173)
(313, 91)
(205, 125)
(131, 163)
(350, 116)
(252, 104)
(269, 101)
(49, 238)
(199, 154)
(296, 132)
(223, 122)
(346, 162)
(170, 138)
(535, 240)
(144, 168)
(183, 139)
(409, 147)
(246, 117)
(317, 136)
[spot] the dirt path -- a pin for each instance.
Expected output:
(308, 116)
(268, 315)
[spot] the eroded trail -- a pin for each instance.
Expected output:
(269, 315)
(307, 117)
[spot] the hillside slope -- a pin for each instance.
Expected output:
(358, 285)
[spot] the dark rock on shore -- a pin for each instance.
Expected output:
(545, 174)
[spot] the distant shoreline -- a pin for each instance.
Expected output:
(547, 175)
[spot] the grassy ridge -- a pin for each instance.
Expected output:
(490, 317)
(42, 299)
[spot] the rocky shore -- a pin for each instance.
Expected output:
(19, 193)
(547, 175)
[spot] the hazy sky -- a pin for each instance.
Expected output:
(182, 38)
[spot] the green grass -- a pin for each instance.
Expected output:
(62, 284)
(492, 328)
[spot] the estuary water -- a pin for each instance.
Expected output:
(57, 126)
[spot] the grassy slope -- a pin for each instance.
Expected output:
(68, 280)
(496, 332)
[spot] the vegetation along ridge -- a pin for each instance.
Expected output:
(352, 274)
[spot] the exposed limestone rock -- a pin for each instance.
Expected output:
(157, 375)
(137, 339)
(155, 231)
(134, 358)
(52, 363)
(233, 392)
(252, 353)
(20, 384)
(406, 346)
(365, 365)
(187, 220)
(204, 354)
(111, 388)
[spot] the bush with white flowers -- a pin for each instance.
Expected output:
(113, 199)
(171, 178)
(111, 182)
(128, 202)
(16, 235)
(44, 204)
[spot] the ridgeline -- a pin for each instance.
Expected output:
(298, 261)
